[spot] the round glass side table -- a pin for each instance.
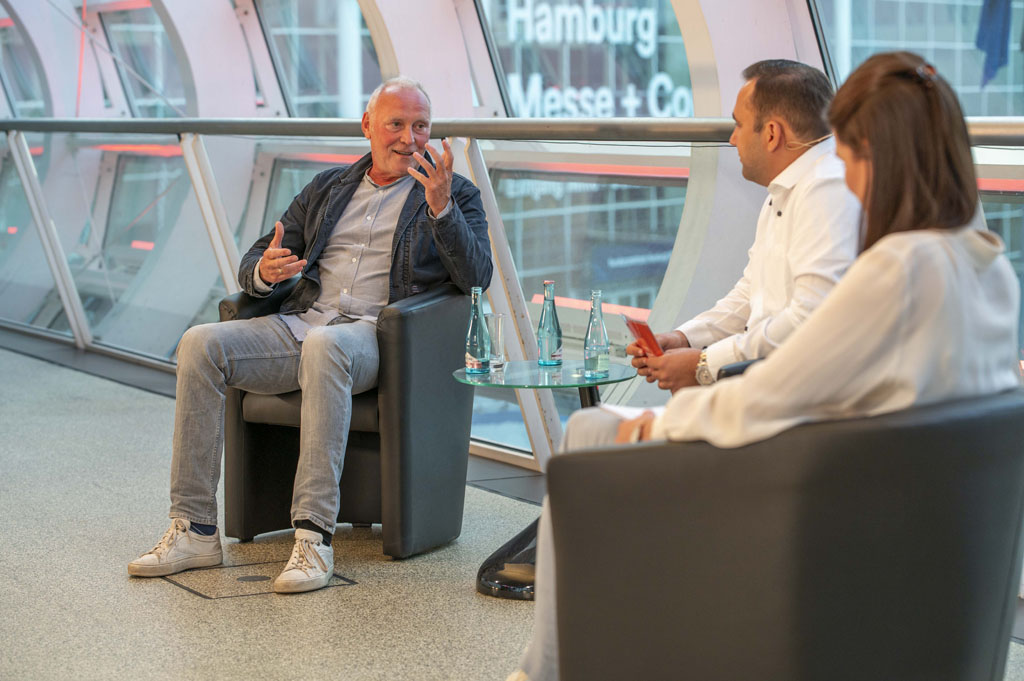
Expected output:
(509, 571)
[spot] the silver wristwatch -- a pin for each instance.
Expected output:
(704, 376)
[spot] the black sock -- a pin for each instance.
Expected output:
(205, 530)
(309, 525)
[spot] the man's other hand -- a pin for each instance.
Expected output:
(676, 369)
(437, 182)
(278, 263)
(636, 430)
(667, 341)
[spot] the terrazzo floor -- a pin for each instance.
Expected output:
(83, 490)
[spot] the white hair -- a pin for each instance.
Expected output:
(396, 83)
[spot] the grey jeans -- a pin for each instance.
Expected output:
(586, 428)
(261, 356)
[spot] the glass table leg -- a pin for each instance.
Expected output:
(508, 572)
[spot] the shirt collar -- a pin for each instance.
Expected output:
(399, 181)
(798, 168)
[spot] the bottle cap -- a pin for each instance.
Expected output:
(549, 281)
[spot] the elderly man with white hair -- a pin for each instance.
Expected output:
(394, 223)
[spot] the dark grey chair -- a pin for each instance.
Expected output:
(408, 446)
(875, 548)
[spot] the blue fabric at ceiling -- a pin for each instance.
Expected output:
(994, 37)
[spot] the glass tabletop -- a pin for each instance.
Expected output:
(529, 374)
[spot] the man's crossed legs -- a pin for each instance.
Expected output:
(261, 356)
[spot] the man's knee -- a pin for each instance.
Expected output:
(591, 427)
(195, 343)
(321, 347)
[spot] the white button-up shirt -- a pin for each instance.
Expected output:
(807, 235)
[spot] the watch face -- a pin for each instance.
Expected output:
(703, 371)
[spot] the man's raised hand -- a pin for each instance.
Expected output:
(278, 263)
(437, 180)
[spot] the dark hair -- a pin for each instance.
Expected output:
(797, 93)
(897, 112)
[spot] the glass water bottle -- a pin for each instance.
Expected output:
(595, 343)
(549, 333)
(478, 342)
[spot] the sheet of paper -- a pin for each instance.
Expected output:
(627, 413)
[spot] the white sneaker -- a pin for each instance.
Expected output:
(309, 568)
(180, 549)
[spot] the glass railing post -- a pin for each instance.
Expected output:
(214, 216)
(506, 296)
(55, 257)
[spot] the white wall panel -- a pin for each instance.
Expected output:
(212, 56)
(423, 40)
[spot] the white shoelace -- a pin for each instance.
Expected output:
(177, 529)
(304, 554)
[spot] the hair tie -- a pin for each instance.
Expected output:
(926, 74)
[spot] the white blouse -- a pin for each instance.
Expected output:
(920, 317)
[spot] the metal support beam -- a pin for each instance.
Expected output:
(506, 296)
(225, 252)
(50, 240)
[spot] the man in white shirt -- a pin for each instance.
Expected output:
(807, 232)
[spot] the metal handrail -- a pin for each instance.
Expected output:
(995, 131)
(615, 129)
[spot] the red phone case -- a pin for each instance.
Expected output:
(644, 336)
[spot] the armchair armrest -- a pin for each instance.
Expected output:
(423, 410)
(243, 306)
(736, 368)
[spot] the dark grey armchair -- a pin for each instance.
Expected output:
(408, 446)
(875, 548)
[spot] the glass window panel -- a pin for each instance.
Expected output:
(290, 176)
(585, 229)
(589, 232)
(19, 71)
(916, 20)
(590, 58)
(943, 31)
(258, 177)
(323, 54)
(146, 63)
(27, 293)
(134, 239)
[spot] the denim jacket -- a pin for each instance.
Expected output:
(425, 251)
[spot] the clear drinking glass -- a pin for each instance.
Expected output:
(496, 329)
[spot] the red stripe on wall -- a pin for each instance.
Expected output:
(607, 308)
